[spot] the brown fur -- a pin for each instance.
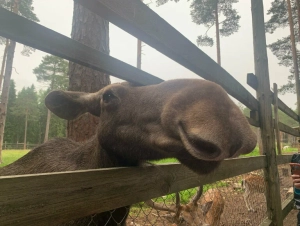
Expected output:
(204, 212)
(192, 120)
(252, 183)
(208, 211)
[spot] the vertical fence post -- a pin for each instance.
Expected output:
(264, 97)
(276, 119)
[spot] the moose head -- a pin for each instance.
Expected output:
(192, 120)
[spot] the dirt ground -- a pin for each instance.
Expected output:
(235, 212)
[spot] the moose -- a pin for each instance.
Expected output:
(193, 120)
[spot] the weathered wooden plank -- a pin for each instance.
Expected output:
(276, 120)
(32, 34)
(284, 108)
(274, 211)
(287, 206)
(266, 222)
(252, 81)
(252, 122)
(139, 20)
(288, 129)
(284, 159)
(48, 199)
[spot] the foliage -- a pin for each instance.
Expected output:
(52, 71)
(11, 123)
(203, 13)
(26, 103)
(26, 10)
(279, 16)
(208, 12)
(282, 117)
(282, 48)
(26, 109)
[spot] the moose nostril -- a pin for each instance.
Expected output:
(199, 147)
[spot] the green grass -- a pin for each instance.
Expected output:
(255, 152)
(9, 156)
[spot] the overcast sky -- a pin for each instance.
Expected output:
(236, 50)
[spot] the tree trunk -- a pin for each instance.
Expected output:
(294, 52)
(92, 31)
(218, 36)
(6, 82)
(298, 15)
(259, 141)
(139, 54)
(3, 62)
(25, 130)
(298, 98)
(49, 113)
(47, 126)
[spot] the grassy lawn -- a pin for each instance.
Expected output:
(10, 156)
(255, 152)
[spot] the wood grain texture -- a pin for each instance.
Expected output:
(287, 205)
(284, 159)
(253, 122)
(253, 83)
(287, 129)
(284, 108)
(265, 97)
(276, 119)
(48, 199)
(138, 19)
(32, 34)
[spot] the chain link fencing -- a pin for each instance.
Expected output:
(221, 203)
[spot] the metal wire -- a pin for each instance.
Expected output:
(234, 211)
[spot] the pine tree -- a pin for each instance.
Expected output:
(26, 107)
(11, 125)
(52, 71)
(207, 13)
(282, 48)
(24, 8)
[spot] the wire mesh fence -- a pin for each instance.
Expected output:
(235, 201)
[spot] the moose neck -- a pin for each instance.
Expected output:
(108, 159)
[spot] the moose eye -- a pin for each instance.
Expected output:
(108, 96)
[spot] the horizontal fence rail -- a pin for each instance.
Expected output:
(57, 197)
(253, 83)
(138, 19)
(32, 34)
(288, 129)
(252, 122)
(283, 159)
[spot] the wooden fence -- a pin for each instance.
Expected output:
(46, 199)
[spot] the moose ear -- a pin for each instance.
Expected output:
(70, 105)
